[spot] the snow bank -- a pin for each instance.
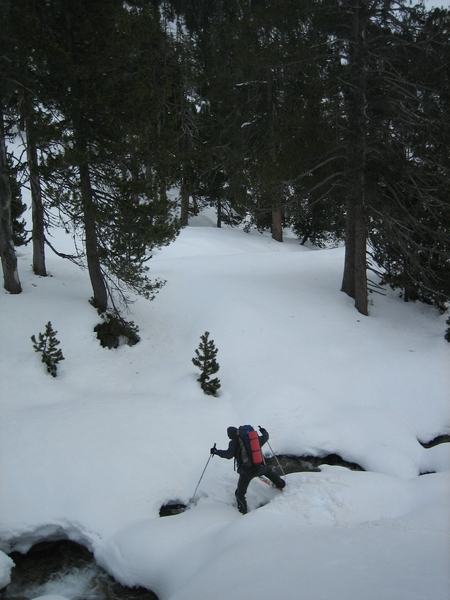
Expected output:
(6, 564)
(93, 454)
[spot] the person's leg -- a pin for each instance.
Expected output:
(241, 490)
(273, 476)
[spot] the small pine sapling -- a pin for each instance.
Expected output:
(47, 345)
(205, 360)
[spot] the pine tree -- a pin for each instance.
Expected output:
(109, 70)
(205, 360)
(17, 206)
(7, 253)
(8, 89)
(47, 345)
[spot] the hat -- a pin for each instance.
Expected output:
(232, 432)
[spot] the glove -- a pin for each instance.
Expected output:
(261, 429)
(213, 450)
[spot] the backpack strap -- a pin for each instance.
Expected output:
(244, 449)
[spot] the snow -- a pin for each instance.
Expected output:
(6, 564)
(93, 454)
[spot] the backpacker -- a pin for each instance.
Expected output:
(250, 447)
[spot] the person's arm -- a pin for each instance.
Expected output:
(228, 453)
(264, 436)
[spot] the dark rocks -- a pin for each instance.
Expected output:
(440, 439)
(42, 561)
(50, 561)
(172, 508)
(298, 464)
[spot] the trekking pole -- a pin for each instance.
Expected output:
(275, 456)
(201, 477)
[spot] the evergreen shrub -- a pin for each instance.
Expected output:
(114, 331)
(47, 345)
(205, 360)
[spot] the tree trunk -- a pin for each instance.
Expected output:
(277, 225)
(361, 299)
(184, 197)
(277, 218)
(37, 208)
(8, 255)
(348, 279)
(100, 299)
(219, 213)
(354, 281)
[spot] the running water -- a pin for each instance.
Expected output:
(65, 569)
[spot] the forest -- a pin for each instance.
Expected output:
(331, 117)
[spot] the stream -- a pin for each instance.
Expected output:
(68, 569)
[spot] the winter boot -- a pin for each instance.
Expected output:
(241, 504)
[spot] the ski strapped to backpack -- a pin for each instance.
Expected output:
(251, 452)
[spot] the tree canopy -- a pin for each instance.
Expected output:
(328, 116)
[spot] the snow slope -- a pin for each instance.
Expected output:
(93, 454)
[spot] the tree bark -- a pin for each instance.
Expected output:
(219, 213)
(348, 279)
(37, 208)
(361, 299)
(9, 260)
(354, 282)
(277, 225)
(277, 217)
(100, 299)
(184, 198)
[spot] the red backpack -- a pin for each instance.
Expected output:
(250, 447)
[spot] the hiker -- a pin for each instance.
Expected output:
(246, 473)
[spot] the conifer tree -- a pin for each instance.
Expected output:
(205, 360)
(17, 206)
(47, 345)
(7, 253)
(108, 70)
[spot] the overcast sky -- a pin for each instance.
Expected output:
(437, 3)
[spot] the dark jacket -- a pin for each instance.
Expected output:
(234, 449)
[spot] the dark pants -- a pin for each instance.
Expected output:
(246, 475)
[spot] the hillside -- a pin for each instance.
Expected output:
(94, 453)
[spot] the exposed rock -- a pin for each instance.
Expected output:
(297, 464)
(52, 560)
(440, 439)
(172, 508)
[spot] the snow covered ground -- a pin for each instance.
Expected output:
(93, 454)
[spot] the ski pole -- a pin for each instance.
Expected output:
(275, 456)
(201, 477)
